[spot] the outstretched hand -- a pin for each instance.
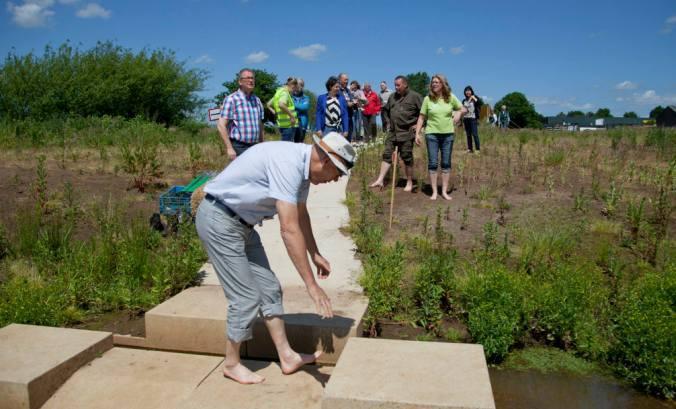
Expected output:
(323, 266)
(321, 300)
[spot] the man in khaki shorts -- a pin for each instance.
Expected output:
(402, 110)
(271, 178)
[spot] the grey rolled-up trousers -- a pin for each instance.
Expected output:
(242, 267)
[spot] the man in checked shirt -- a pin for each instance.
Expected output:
(241, 121)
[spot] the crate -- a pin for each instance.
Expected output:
(175, 201)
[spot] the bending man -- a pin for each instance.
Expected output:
(273, 179)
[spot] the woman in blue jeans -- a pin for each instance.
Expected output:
(440, 109)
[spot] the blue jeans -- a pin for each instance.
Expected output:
(287, 134)
(472, 131)
(332, 129)
(439, 142)
(356, 126)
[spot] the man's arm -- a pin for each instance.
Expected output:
(296, 246)
(222, 126)
(261, 132)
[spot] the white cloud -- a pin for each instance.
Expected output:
(625, 85)
(308, 53)
(31, 14)
(256, 58)
(457, 50)
(440, 51)
(203, 59)
(650, 97)
(68, 1)
(669, 24)
(569, 104)
(93, 10)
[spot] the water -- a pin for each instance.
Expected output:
(534, 390)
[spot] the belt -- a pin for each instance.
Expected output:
(227, 210)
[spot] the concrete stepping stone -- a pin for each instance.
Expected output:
(195, 321)
(35, 361)
(380, 373)
(301, 390)
(133, 378)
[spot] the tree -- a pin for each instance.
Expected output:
(521, 111)
(630, 114)
(656, 111)
(419, 82)
(104, 80)
(266, 85)
(575, 113)
(603, 113)
(590, 114)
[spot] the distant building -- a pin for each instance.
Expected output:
(574, 123)
(667, 117)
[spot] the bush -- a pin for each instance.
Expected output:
(434, 286)
(644, 351)
(494, 304)
(571, 310)
(381, 280)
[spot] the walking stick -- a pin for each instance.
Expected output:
(395, 161)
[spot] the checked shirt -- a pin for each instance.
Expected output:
(244, 115)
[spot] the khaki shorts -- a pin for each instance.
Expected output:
(405, 150)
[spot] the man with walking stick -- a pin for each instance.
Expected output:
(402, 110)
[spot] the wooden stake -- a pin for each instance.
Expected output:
(395, 161)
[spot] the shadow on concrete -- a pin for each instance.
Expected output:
(306, 333)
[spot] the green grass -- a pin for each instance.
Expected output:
(547, 360)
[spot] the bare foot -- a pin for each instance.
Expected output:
(295, 362)
(242, 374)
(377, 183)
(409, 187)
(446, 196)
(433, 197)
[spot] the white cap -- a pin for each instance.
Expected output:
(335, 145)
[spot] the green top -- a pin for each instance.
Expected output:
(439, 114)
(282, 94)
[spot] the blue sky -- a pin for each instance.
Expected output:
(562, 55)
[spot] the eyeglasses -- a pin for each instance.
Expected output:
(246, 78)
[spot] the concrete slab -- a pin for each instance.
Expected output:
(133, 378)
(301, 390)
(379, 373)
(35, 361)
(191, 321)
(195, 321)
(328, 215)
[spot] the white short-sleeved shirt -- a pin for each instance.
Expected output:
(265, 173)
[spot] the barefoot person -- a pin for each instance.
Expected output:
(441, 109)
(402, 110)
(273, 178)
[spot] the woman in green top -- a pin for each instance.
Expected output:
(441, 109)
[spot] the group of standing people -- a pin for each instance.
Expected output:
(351, 111)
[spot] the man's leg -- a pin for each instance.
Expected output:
(386, 164)
(271, 307)
(224, 240)
(406, 150)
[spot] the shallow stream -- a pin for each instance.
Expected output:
(534, 390)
